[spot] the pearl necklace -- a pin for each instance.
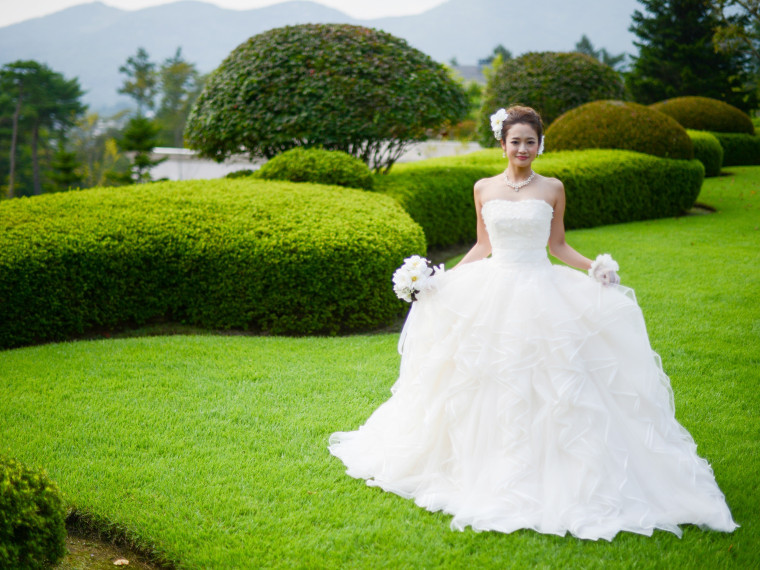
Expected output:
(516, 187)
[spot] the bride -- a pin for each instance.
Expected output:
(528, 394)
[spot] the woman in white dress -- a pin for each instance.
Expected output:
(528, 394)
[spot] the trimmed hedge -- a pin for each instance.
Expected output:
(602, 186)
(438, 198)
(318, 166)
(550, 82)
(739, 149)
(619, 125)
(707, 150)
(252, 254)
(32, 515)
(706, 114)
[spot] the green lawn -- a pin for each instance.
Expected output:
(211, 450)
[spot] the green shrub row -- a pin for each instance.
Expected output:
(252, 254)
(739, 149)
(32, 515)
(602, 187)
(438, 198)
(708, 151)
(319, 166)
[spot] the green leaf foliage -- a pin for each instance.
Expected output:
(319, 166)
(708, 151)
(602, 187)
(706, 114)
(251, 254)
(550, 82)
(338, 86)
(677, 55)
(438, 198)
(739, 149)
(619, 125)
(32, 514)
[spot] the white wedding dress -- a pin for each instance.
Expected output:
(529, 397)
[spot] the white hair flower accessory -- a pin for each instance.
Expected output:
(497, 120)
(541, 146)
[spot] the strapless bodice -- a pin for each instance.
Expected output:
(518, 229)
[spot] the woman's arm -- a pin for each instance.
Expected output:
(482, 247)
(558, 247)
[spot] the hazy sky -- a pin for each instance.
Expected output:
(12, 11)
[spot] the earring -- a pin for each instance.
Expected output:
(504, 154)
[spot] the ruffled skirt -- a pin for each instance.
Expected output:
(529, 398)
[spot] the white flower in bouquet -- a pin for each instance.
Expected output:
(414, 277)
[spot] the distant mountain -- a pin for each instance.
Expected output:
(91, 41)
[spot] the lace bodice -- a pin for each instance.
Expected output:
(518, 230)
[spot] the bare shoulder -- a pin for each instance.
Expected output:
(482, 185)
(554, 189)
(485, 182)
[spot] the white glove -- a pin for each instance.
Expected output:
(604, 269)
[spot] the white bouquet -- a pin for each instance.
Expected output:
(414, 277)
(604, 269)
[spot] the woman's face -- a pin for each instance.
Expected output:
(521, 144)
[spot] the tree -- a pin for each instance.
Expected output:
(180, 84)
(44, 101)
(739, 26)
(676, 56)
(585, 46)
(550, 82)
(141, 81)
(338, 86)
(139, 137)
(94, 141)
(17, 79)
(66, 168)
(498, 52)
(739, 31)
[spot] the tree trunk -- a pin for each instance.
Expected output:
(14, 138)
(37, 188)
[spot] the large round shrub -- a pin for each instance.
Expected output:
(319, 166)
(708, 151)
(550, 82)
(251, 254)
(706, 114)
(338, 86)
(602, 187)
(32, 513)
(619, 125)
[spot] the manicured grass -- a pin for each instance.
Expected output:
(211, 450)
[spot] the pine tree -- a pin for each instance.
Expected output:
(677, 57)
(140, 137)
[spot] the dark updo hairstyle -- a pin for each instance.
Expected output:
(526, 116)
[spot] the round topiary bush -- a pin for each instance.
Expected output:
(619, 125)
(707, 150)
(706, 114)
(32, 515)
(251, 254)
(550, 82)
(318, 166)
(338, 86)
